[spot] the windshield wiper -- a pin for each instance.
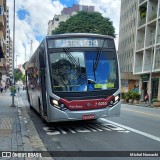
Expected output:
(71, 58)
(96, 62)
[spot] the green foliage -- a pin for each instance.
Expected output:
(24, 64)
(142, 11)
(155, 100)
(13, 89)
(17, 74)
(86, 22)
(132, 95)
(122, 95)
(135, 95)
(23, 78)
(128, 95)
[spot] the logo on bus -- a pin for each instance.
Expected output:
(88, 104)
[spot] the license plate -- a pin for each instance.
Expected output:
(86, 117)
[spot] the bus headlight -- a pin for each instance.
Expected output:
(116, 98)
(57, 104)
(114, 101)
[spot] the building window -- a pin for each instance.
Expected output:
(1, 10)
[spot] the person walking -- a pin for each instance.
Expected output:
(146, 98)
(1, 88)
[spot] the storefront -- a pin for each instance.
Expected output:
(145, 86)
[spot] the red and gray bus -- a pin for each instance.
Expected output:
(74, 76)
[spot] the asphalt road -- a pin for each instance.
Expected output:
(137, 129)
(141, 118)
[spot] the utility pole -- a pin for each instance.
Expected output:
(150, 77)
(13, 80)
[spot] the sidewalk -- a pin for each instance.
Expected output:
(17, 131)
(142, 104)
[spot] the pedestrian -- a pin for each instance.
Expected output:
(1, 87)
(146, 98)
(5, 88)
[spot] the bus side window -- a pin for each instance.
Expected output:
(42, 57)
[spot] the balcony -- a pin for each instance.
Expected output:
(152, 16)
(141, 1)
(147, 67)
(141, 22)
(140, 45)
(1, 62)
(158, 38)
(2, 21)
(157, 64)
(138, 69)
(1, 35)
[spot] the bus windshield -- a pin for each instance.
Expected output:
(77, 71)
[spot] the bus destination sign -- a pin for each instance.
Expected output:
(80, 43)
(75, 42)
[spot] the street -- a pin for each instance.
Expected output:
(137, 129)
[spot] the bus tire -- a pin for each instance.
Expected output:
(30, 106)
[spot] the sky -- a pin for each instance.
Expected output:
(32, 16)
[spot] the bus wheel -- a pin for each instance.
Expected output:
(30, 106)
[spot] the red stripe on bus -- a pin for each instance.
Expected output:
(87, 104)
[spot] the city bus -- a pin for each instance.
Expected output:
(74, 76)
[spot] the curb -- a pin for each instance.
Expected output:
(30, 137)
(141, 105)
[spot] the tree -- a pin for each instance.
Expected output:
(17, 74)
(24, 65)
(86, 22)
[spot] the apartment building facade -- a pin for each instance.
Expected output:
(126, 46)
(2, 41)
(65, 14)
(147, 47)
(8, 51)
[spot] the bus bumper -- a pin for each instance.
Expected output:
(57, 115)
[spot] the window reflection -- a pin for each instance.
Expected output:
(104, 76)
(75, 71)
(68, 71)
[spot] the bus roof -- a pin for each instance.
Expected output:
(78, 35)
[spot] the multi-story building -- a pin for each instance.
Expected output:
(2, 41)
(65, 14)
(7, 43)
(147, 47)
(126, 47)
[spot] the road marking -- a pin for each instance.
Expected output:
(133, 130)
(71, 130)
(90, 128)
(84, 128)
(52, 131)
(95, 127)
(141, 112)
(103, 127)
(61, 130)
(81, 129)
